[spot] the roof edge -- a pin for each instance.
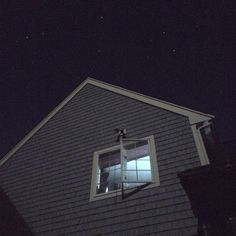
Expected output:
(153, 101)
(194, 116)
(42, 123)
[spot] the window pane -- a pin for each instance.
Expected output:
(115, 167)
(210, 141)
(130, 175)
(145, 158)
(104, 163)
(207, 135)
(137, 150)
(103, 182)
(143, 164)
(135, 144)
(131, 165)
(113, 180)
(108, 172)
(138, 159)
(109, 159)
(145, 176)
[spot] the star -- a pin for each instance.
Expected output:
(101, 17)
(27, 37)
(173, 50)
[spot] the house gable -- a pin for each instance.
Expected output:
(48, 179)
(193, 116)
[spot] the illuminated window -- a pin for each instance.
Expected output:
(108, 174)
(138, 167)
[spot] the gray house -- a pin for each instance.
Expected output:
(105, 162)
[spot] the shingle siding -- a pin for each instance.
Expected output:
(48, 179)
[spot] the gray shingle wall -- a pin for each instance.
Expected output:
(49, 178)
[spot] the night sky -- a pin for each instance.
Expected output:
(183, 52)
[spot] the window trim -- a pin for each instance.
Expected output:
(154, 168)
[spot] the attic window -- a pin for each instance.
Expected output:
(139, 167)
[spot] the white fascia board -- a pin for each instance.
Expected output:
(194, 116)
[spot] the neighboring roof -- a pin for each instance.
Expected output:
(194, 116)
(11, 222)
(211, 190)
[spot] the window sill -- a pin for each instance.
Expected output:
(118, 192)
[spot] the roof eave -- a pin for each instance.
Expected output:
(194, 116)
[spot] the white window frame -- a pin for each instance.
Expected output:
(154, 169)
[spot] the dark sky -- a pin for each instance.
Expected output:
(183, 52)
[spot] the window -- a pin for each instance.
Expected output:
(210, 141)
(133, 165)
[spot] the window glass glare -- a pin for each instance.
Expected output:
(113, 180)
(131, 165)
(144, 176)
(143, 164)
(145, 158)
(137, 150)
(109, 172)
